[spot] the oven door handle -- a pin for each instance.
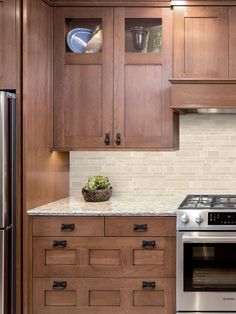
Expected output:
(208, 239)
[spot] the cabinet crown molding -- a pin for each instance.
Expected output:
(108, 3)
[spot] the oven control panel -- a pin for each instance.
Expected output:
(225, 218)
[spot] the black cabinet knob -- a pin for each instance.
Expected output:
(107, 139)
(118, 139)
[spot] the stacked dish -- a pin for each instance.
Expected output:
(77, 39)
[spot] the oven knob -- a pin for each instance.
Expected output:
(199, 219)
(185, 218)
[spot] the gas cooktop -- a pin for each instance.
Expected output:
(207, 212)
(213, 202)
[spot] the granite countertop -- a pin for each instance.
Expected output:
(76, 206)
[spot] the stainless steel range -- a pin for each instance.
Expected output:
(206, 254)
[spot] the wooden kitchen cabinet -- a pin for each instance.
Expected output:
(117, 98)
(204, 57)
(201, 42)
(133, 273)
(83, 83)
(205, 42)
(8, 45)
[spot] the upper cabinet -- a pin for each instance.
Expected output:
(8, 44)
(113, 92)
(204, 72)
(83, 81)
(201, 42)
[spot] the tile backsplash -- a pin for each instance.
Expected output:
(205, 162)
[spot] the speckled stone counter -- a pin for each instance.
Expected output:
(76, 206)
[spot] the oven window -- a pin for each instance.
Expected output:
(210, 267)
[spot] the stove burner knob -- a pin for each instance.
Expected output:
(185, 218)
(199, 219)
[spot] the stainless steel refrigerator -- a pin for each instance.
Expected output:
(7, 202)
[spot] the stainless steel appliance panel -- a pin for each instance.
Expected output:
(213, 256)
(4, 271)
(4, 160)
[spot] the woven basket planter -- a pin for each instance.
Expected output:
(97, 195)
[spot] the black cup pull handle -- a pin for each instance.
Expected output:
(59, 284)
(118, 139)
(149, 284)
(107, 139)
(148, 243)
(68, 227)
(59, 243)
(140, 227)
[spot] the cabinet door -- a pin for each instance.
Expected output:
(83, 81)
(201, 42)
(232, 42)
(142, 117)
(8, 45)
(103, 296)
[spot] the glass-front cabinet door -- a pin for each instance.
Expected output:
(83, 77)
(142, 67)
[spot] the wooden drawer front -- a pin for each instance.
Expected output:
(140, 226)
(103, 296)
(68, 226)
(105, 257)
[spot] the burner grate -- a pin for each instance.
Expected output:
(209, 202)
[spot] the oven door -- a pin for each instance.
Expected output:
(206, 271)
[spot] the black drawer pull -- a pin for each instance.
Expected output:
(107, 139)
(59, 243)
(59, 284)
(68, 227)
(140, 227)
(148, 243)
(118, 139)
(149, 284)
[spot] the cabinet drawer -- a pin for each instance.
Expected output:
(140, 226)
(103, 296)
(105, 257)
(68, 226)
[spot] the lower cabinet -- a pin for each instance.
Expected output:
(79, 271)
(103, 296)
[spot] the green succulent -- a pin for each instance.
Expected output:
(97, 183)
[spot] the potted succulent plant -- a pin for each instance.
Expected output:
(97, 189)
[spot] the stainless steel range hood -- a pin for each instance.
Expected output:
(203, 95)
